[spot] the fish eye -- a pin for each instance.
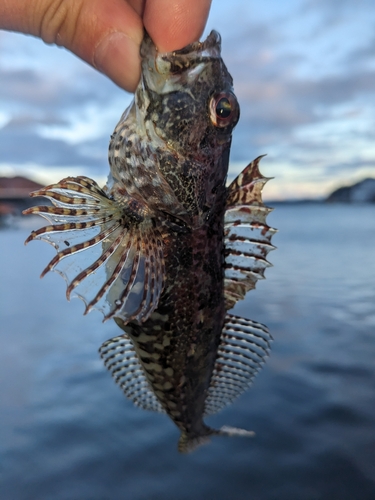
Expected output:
(224, 110)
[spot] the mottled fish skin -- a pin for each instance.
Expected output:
(169, 236)
(165, 148)
(177, 345)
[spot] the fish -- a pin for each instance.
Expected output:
(166, 248)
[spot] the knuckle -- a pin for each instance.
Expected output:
(58, 22)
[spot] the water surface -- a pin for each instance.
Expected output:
(67, 432)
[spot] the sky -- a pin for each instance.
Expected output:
(304, 75)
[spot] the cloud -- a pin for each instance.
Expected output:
(303, 72)
(46, 91)
(307, 94)
(21, 144)
(53, 116)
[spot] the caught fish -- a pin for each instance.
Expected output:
(166, 249)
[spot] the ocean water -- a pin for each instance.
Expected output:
(68, 433)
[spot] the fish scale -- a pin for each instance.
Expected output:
(166, 248)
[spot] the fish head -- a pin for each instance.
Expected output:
(186, 97)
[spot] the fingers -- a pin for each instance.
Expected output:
(106, 34)
(172, 24)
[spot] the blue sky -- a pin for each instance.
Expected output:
(304, 74)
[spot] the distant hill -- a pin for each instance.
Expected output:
(361, 192)
(17, 187)
(14, 195)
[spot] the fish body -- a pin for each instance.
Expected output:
(165, 248)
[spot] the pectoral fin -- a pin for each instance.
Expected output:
(109, 253)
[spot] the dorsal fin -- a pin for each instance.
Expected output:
(244, 345)
(108, 250)
(122, 361)
(247, 236)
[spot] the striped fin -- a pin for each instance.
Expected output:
(247, 236)
(122, 361)
(108, 251)
(243, 347)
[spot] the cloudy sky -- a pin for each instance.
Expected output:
(304, 74)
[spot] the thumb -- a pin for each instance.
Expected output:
(107, 35)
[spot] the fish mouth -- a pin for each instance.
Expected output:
(178, 61)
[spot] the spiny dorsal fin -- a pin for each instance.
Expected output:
(122, 361)
(108, 251)
(244, 345)
(246, 189)
(247, 236)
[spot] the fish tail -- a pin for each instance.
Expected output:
(188, 443)
(234, 432)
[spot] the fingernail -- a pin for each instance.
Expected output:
(117, 56)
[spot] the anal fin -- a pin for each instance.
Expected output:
(243, 347)
(122, 361)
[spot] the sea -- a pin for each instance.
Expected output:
(68, 433)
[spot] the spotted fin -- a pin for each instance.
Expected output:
(243, 347)
(122, 361)
(108, 251)
(247, 236)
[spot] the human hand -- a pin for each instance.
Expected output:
(107, 33)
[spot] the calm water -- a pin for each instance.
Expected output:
(68, 433)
